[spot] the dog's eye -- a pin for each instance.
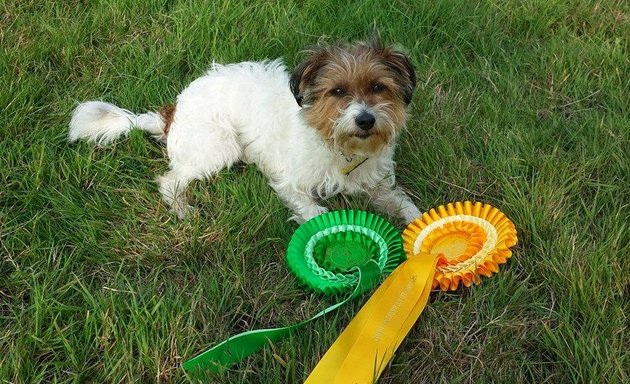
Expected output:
(338, 92)
(377, 88)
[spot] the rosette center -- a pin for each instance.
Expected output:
(344, 256)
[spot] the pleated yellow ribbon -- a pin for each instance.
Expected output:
(364, 348)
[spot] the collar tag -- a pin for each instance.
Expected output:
(353, 162)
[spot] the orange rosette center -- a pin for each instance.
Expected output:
(471, 239)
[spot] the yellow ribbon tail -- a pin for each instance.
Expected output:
(365, 347)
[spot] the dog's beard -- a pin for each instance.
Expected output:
(349, 139)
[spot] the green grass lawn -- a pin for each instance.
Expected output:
(521, 104)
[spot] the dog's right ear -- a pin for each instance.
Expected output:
(294, 83)
(304, 75)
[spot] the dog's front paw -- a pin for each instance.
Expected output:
(309, 214)
(409, 214)
(183, 210)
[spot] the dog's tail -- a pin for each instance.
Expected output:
(101, 123)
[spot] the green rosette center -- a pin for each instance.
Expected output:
(344, 256)
(325, 252)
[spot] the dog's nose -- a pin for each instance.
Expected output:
(365, 121)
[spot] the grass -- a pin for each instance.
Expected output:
(522, 104)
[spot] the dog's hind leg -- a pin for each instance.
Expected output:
(173, 186)
(196, 149)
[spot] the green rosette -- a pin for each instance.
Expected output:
(326, 252)
(335, 252)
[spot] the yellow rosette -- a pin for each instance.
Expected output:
(471, 239)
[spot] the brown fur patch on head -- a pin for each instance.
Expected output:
(167, 113)
(336, 80)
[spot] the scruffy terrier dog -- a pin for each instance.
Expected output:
(330, 127)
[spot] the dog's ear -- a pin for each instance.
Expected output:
(304, 74)
(295, 80)
(401, 66)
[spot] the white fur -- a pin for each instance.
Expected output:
(247, 112)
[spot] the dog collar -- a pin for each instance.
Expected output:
(352, 163)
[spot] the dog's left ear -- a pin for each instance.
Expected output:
(304, 74)
(402, 67)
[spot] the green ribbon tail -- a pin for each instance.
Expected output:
(238, 347)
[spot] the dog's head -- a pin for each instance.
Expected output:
(355, 96)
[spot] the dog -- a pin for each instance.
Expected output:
(329, 127)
